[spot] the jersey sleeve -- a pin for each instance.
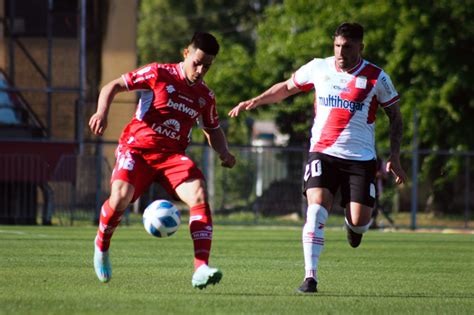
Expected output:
(302, 78)
(209, 117)
(143, 78)
(385, 91)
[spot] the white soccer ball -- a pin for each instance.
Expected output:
(161, 218)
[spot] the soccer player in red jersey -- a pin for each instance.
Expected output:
(152, 148)
(348, 92)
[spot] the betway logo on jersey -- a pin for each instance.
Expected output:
(183, 108)
(337, 102)
(170, 128)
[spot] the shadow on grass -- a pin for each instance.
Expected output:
(347, 295)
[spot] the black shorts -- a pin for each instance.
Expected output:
(355, 178)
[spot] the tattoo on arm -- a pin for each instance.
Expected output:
(396, 127)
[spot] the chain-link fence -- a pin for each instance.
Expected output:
(266, 182)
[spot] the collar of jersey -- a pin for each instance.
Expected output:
(351, 70)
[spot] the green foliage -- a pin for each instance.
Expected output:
(163, 31)
(431, 64)
(165, 28)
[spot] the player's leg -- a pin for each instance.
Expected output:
(181, 176)
(358, 221)
(319, 202)
(131, 176)
(358, 198)
(319, 190)
(110, 216)
(193, 193)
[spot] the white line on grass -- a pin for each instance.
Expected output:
(23, 233)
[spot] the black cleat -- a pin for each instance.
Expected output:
(353, 238)
(310, 285)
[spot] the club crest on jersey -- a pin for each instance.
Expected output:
(202, 102)
(170, 89)
(169, 128)
(361, 82)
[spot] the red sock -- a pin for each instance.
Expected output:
(200, 226)
(109, 220)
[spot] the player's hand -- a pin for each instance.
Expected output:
(98, 123)
(245, 105)
(227, 160)
(393, 166)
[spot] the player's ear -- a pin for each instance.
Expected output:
(185, 52)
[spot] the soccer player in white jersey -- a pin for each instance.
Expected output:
(342, 155)
(152, 148)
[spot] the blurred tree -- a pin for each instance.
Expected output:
(426, 48)
(166, 26)
(432, 63)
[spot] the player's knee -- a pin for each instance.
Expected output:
(197, 199)
(121, 196)
(359, 229)
(197, 196)
(319, 196)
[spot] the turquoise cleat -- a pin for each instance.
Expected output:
(102, 266)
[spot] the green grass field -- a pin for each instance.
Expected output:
(49, 270)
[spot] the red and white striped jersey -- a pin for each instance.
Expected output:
(345, 105)
(168, 108)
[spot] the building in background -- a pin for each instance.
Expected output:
(54, 58)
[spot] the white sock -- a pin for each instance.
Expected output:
(313, 238)
(359, 229)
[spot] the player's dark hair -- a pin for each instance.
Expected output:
(206, 42)
(350, 30)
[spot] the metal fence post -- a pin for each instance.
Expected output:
(414, 170)
(99, 154)
(467, 190)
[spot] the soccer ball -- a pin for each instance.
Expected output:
(161, 218)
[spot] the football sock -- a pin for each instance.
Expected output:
(359, 229)
(200, 227)
(313, 238)
(109, 220)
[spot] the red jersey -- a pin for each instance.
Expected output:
(167, 109)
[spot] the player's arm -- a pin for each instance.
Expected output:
(217, 140)
(396, 132)
(98, 121)
(275, 94)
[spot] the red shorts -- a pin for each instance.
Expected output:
(142, 167)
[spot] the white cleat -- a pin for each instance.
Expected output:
(102, 266)
(204, 276)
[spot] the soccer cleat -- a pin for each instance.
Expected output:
(204, 276)
(102, 266)
(353, 238)
(309, 285)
